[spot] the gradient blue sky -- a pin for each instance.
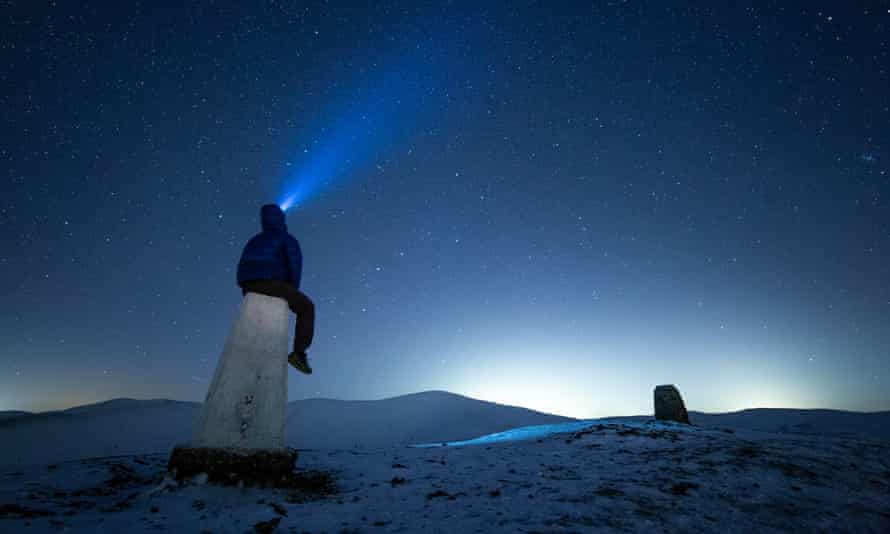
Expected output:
(554, 207)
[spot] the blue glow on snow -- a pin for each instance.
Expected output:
(517, 434)
(542, 431)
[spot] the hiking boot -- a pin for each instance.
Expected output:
(300, 362)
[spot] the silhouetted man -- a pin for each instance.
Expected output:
(272, 264)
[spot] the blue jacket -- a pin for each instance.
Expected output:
(272, 254)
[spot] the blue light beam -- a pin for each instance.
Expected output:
(365, 127)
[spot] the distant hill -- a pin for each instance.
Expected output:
(130, 426)
(419, 417)
(867, 425)
(837, 423)
(9, 414)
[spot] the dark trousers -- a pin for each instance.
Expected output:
(299, 303)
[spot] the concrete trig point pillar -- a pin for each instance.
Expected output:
(240, 431)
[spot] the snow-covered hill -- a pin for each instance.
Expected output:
(9, 414)
(419, 417)
(872, 425)
(128, 426)
(838, 423)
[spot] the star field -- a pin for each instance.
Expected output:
(555, 206)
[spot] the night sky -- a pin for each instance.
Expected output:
(554, 205)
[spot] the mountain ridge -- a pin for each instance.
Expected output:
(124, 400)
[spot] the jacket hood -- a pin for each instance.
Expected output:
(272, 218)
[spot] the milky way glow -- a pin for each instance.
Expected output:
(365, 126)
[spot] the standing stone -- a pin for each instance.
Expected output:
(669, 404)
(240, 431)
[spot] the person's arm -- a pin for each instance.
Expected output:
(294, 260)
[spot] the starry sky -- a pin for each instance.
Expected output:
(554, 205)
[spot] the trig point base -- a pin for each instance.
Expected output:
(240, 431)
(253, 467)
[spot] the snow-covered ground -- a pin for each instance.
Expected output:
(632, 477)
(839, 423)
(566, 476)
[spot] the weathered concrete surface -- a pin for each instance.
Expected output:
(240, 431)
(669, 404)
(246, 402)
(253, 467)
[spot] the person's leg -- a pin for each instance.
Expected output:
(304, 309)
(298, 303)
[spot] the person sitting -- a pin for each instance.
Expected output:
(272, 264)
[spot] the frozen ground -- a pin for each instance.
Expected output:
(601, 476)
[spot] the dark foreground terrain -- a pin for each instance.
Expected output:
(623, 477)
